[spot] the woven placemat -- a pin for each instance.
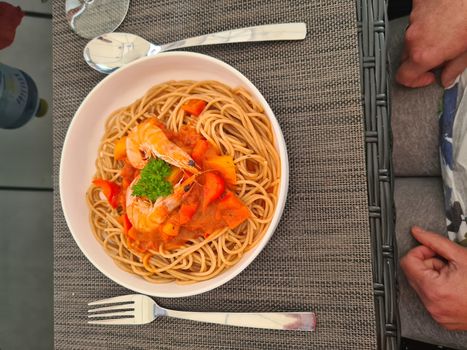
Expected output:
(320, 256)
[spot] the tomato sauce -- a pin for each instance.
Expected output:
(207, 206)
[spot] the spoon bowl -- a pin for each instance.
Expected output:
(108, 52)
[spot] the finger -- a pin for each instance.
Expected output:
(413, 75)
(419, 267)
(416, 272)
(422, 253)
(434, 264)
(414, 265)
(453, 69)
(439, 244)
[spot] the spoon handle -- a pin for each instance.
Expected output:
(298, 321)
(270, 32)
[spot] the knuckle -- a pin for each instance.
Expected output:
(411, 34)
(421, 57)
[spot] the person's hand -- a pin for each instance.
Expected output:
(436, 36)
(441, 283)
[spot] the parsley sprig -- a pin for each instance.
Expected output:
(153, 181)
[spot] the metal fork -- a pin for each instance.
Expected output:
(140, 309)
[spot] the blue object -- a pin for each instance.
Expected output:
(19, 99)
(446, 123)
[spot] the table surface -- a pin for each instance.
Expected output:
(319, 258)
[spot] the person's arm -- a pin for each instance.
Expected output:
(437, 270)
(436, 37)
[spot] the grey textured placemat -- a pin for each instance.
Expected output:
(320, 256)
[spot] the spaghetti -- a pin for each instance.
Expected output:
(236, 125)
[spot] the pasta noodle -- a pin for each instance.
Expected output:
(235, 123)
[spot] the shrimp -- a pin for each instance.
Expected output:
(147, 139)
(145, 216)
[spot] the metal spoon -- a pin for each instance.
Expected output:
(111, 51)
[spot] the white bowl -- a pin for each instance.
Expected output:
(85, 132)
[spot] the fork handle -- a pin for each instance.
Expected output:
(283, 31)
(300, 321)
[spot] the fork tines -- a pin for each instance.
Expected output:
(123, 307)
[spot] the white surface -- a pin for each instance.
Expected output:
(26, 288)
(456, 178)
(80, 150)
(34, 5)
(26, 153)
